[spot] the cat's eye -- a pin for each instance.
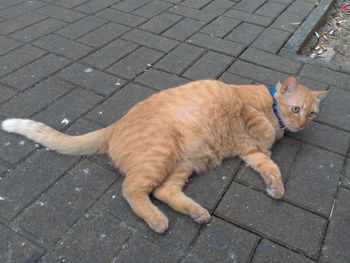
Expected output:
(312, 114)
(295, 109)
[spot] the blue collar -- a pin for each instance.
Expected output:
(272, 91)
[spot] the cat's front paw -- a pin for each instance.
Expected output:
(158, 222)
(201, 216)
(276, 191)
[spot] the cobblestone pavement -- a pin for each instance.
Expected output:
(78, 65)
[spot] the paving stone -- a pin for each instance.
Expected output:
(258, 73)
(220, 241)
(208, 187)
(5, 93)
(301, 7)
(110, 53)
(63, 46)
(271, 9)
(34, 72)
(20, 9)
(159, 80)
(95, 5)
(2, 170)
(324, 136)
(117, 105)
(216, 44)
(95, 80)
(7, 45)
(104, 34)
(19, 57)
(130, 5)
(181, 232)
(70, 3)
(95, 238)
(60, 13)
(284, 153)
(13, 147)
(5, 3)
(161, 23)
(249, 6)
(268, 252)
(180, 58)
(336, 245)
(210, 66)
(285, 2)
(196, 4)
(68, 108)
(82, 126)
(325, 75)
(250, 18)
(152, 9)
(218, 7)
(81, 27)
(192, 13)
(335, 109)
(314, 179)
(121, 18)
(11, 25)
(138, 249)
(15, 248)
(65, 202)
(288, 22)
(32, 100)
(296, 227)
(135, 63)
(268, 60)
(38, 30)
(245, 33)
(230, 78)
(23, 184)
(271, 40)
(184, 29)
(346, 176)
(221, 26)
(150, 40)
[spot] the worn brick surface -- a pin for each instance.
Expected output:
(184, 29)
(110, 53)
(34, 72)
(71, 196)
(68, 108)
(159, 80)
(275, 62)
(91, 79)
(79, 65)
(245, 33)
(113, 108)
(216, 44)
(32, 100)
(336, 243)
(269, 252)
(211, 65)
(180, 58)
(135, 63)
(19, 58)
(296, 227)
(161, 22)
(63, 46)
(104, 34)
(223, 242)
(15, 248)
(23, 184)
(151, 40)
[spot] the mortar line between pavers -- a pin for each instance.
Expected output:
(253, 252)
(133, 10)
(332, 126)
(26, 12)
(336, 196)
(261, 235)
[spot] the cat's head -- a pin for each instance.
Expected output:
(297, 105)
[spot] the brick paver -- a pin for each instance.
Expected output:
(79, 65)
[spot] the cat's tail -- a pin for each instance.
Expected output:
(90, 143)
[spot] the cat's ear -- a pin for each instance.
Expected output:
(289, 85)
(321, 94)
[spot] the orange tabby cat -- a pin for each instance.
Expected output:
(160, 141)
